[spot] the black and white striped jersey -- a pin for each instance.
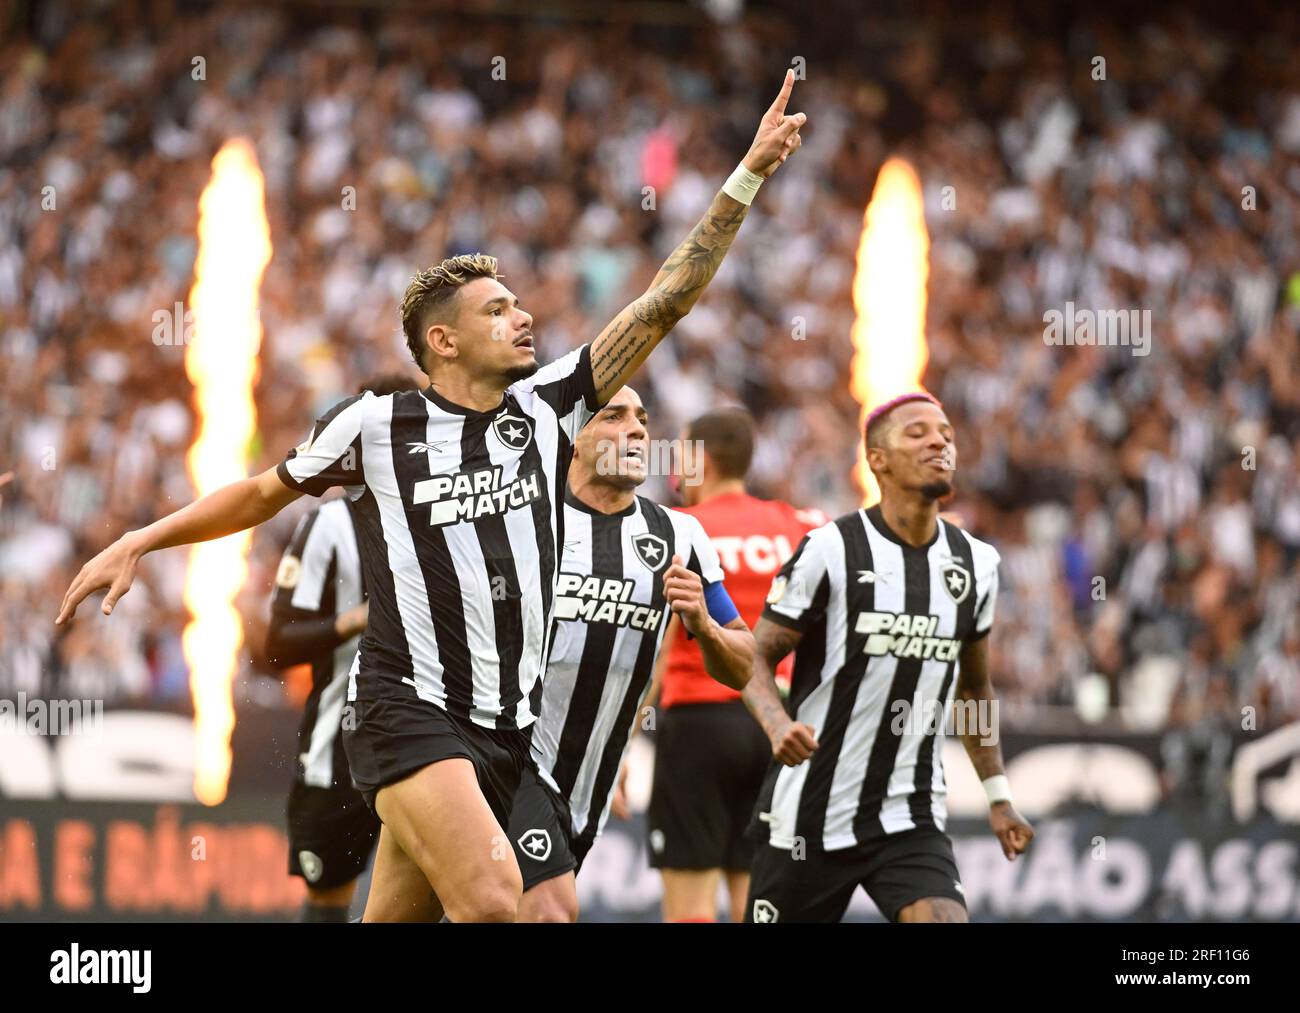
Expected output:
(610, 619)
(875, 673)
(458, 515)
(319, 577)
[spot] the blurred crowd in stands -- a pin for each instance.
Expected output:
(1147, 507)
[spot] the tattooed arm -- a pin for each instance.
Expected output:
(976, 718)
(630, 337)
(792, 741)
(624, 345)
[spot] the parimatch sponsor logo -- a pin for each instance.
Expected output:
(469, 495)
(603, 600)
(906, 636)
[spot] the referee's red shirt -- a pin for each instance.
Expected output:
(754, 538)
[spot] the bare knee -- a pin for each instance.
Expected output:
(488, 898)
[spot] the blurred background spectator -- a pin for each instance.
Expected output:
(1147, 508)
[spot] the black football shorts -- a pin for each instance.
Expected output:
(541, 832)
(710, 760)
(331, 834)
(392, 738)
(896, 870)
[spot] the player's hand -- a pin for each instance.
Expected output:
(114, 568)
(778, 134)
(792, 742)
(352, 622)
(1011, 828)
(618, 804)
(684, 592)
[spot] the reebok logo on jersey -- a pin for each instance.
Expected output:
(469, 495)
(905, 636)
(603, 600)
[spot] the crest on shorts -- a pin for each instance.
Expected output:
(765, 912)
(514, 431)
(956, 581)
(650, 549)
(536, 844)
(312, 867)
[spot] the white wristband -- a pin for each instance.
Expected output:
(997, 788)
(742, 184)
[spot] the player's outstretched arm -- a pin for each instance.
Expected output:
(792, 741)
(630, 337)
(983, 744)
(235, 507)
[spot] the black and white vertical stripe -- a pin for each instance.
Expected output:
(458, 514)
(865, 779)
(319, 577)
(599, 669)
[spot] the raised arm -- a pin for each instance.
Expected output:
(792, 741)
(978, 733)
(631, 336)
(232, 508)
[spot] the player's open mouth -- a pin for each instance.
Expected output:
(525, 342)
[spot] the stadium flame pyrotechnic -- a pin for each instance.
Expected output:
(889, 349)
(221, 361)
